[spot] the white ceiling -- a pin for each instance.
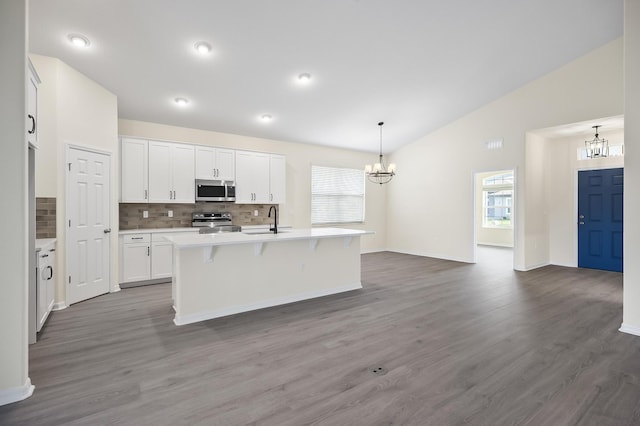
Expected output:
(414, 64)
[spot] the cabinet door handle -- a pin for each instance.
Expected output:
(170, 195)
(33, 124)
(50, 269)
(148, 251)
(107, 231)
(174, 195)
(145, 194)
(137, 238)
(270, 197)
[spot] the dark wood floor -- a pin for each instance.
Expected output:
(460, 344)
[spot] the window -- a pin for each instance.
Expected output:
(497, 200)
(337, 195)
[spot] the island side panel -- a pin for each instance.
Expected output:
(244, 277)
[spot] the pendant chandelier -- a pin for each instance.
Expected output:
(379, 172)
(597, 147)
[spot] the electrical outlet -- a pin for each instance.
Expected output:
(145, 214)
(170, 213)
(255, 212)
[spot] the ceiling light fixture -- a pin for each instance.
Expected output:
(202, 47)
(78, 40)
(181, 101)
(266, 118)
(597, 147)
(379, 173)
(304, 78)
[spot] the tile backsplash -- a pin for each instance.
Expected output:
(45, 217)
(131, 214)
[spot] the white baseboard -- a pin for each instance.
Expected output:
(432, 255)
(373, 251)
(59, 306)
(8, 396)
(630, 329)
(116, 289)
(531, 268)
(203, 316)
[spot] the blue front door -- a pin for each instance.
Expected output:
(600, 194)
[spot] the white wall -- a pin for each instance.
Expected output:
(74, 110)
(300, 157)
(536, 217)
(631, 298)
(431, 203)
(14, 250)
(561, 168)
(501, 237)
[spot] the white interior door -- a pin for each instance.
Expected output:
(89, 224)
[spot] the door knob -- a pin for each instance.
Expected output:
(107, 231)
(581, 216)
(581, 223)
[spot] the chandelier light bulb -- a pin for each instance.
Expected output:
(379, 173)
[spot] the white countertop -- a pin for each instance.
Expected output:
(156, 230)
(205, 240)
(43, 242)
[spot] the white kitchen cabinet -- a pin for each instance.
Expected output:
(45, 293)
(277, 179)
(215, 163)
(135, 257)
(33, 81)
(252, 177)
(147, 256)
(171, 172)
(134, 165)
(161, 257)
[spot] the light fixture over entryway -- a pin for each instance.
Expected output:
(379, 173)
(597, 147)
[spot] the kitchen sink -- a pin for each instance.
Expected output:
(261, 232)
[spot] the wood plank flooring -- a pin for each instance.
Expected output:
(462, 344)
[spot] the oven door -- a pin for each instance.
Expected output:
(210, 190)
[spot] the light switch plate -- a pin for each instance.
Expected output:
(170, 213)
(145, 214)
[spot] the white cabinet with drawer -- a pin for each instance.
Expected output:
(135, 257)
(147, 255)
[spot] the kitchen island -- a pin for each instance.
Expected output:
(216, 275)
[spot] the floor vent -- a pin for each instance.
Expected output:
(378, 370)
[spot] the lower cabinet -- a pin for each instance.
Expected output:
(161, 257)
(146, 256)
(46, 283)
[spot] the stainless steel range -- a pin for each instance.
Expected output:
(213, 223)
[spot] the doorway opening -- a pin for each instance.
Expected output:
(494, 218)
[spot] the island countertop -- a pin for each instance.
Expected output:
(261, 236)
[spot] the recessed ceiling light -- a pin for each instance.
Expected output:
(304, 78)
(79, 40)
(202, 47)
(266, 118)
(181, 101)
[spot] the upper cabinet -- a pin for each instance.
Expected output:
(165, 172)
(215, 163)
(33, 81)
(277, 179)
(171, 172)
(252, 172)
(134, 183)
(260, 178)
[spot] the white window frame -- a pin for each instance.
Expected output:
(486, 188)
(333, 189)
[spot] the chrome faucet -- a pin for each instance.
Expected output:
(274, 229)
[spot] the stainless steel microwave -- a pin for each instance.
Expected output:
(215, 190)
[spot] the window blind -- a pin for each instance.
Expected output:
(337, 195)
